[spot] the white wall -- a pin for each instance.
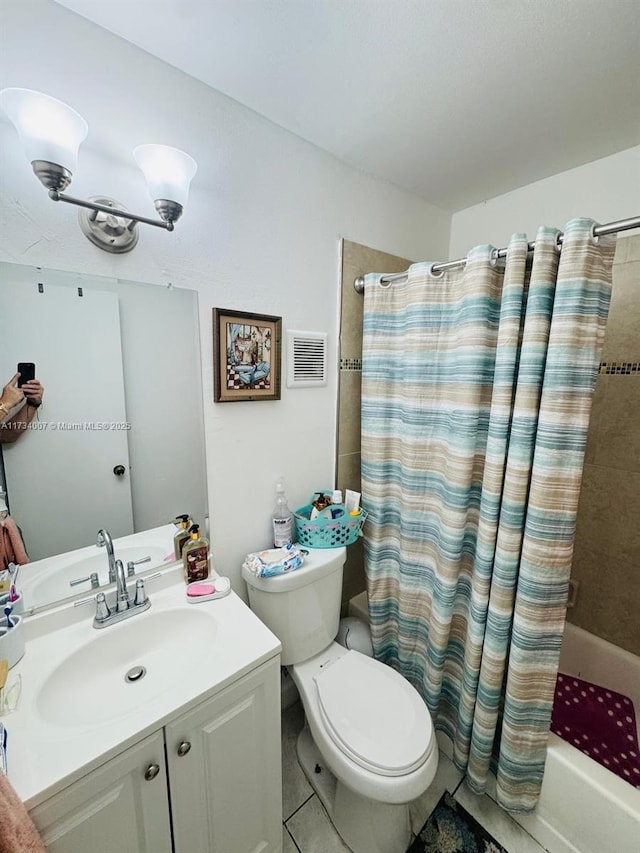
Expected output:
(261, 233)
(605, 190)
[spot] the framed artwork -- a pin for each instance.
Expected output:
(246, 356)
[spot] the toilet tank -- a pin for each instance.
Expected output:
(302, 607)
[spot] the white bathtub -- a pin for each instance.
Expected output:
(584, 808)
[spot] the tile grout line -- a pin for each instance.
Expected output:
(293, 841)
(457, 787)
(519, 825)
(297, 809)
(497, 805)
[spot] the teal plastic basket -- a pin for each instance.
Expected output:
(328, 532)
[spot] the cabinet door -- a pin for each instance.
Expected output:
(113, 808)
(225, 775)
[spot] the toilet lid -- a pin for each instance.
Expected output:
(374, 715)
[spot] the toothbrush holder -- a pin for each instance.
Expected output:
(12, 640)
(18, 604)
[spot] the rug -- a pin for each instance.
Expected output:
(599, 722)
(451, 829)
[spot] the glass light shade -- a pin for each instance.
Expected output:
(167, 171)
(48, 129)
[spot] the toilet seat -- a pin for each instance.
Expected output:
(373, 715)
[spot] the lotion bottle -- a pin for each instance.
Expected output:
(195, 556)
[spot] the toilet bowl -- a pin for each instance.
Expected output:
(368, 747)
(370, 725)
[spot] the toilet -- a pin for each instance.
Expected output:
(368, 747)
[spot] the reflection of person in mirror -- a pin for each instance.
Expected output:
(18, 407)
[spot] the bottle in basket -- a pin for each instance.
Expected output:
(282, 519)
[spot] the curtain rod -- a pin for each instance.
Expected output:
(598, 231)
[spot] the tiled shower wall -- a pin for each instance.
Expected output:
(356, 261)
(607, 550)
(606, 560)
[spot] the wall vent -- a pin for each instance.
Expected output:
(306, 359)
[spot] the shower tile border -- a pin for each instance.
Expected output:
(350, 364)
(618, 368)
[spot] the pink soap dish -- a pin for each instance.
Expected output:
(208, 590)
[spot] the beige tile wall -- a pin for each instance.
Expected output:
(356, 261)
(606, 560)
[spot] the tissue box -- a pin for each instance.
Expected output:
(12, 640)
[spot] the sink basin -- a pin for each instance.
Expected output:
(89, 685)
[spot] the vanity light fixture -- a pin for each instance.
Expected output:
(51, 133)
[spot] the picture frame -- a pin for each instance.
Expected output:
(246, 356)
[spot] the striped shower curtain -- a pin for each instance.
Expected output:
(476, 393)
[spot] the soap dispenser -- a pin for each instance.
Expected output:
(281, 519)
(320, 506)
(195, 556)
(182, 536)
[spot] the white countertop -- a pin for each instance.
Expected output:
(44, 757)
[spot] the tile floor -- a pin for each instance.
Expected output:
(307, 829)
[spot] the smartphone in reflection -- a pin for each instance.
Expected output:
(27, 371)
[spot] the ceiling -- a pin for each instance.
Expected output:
(456, 101)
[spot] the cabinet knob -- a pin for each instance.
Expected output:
(151, 772)
(184, 748)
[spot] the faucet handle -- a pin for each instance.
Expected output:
(93, 577)
(132, 563)
(141, 593)
(102, 609)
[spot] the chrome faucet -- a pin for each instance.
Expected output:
(123, 607)
(122, 594)
(119, 605)
(104, 540)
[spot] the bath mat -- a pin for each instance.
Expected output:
(451, 829)
(599, 722)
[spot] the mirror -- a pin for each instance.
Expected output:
(119, 440)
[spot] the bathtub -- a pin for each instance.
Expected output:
(584, 808)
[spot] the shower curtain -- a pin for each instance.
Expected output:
(476, 393)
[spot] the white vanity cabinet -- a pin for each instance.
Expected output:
(219, 787)
(112, 808)
(225, 773)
